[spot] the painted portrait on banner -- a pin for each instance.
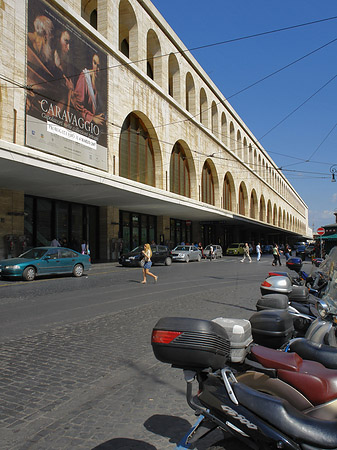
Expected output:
(66, 105)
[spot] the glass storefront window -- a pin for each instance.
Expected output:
(76, 238)
(29, 221)
(61, 222)
(43, 222)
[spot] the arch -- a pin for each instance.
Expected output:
(224, 129)
(239, 144)
(275, 215)
(190, 94)
(137, 150)
(262, 209)
(269, 212)
(215, 127)
(255, 167)
(243, 199)
(207, 184)
(250, 157)
(89, 12)
(229, 192)
(203, 110)
(259, 166)
(253, 209)
(154, 62)
(232, 139)
(128, 30)
(174, 78)
(180, 172)
(244, 151)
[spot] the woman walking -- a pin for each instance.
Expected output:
(276, 255)
(147, 252)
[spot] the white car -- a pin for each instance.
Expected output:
(186, 253)
(217, 251)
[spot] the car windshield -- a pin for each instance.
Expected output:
(182, 247)
(34, 253)
(138, 249)
(234, 246)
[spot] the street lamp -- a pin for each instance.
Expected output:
(333, 170)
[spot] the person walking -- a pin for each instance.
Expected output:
(246, 253)
(287, 252)
(147, 252)
(211, 252)
(258, 251)
(276, 255)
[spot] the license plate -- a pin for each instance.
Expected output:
(127, 260)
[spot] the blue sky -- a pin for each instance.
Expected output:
(305, 143)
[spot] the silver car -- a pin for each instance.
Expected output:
(217, 251)
(186, 253)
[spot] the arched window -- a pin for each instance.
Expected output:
(228, 193)
(190, 93)
(224, 128)
(232, 140)
(136, 157)
(242, 199)
(207, 185)
(262, 209)
(203, 108)
(214, 118)
(127, 30)
(253, 205)
(179, 172)
(154, 64)
(174, 78)
(89, 11)
(269, 212)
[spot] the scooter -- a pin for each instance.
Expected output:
(268, 399)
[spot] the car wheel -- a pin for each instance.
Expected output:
(29, 274)
(187, 259)
(78, 270)
(199, 258)
(168, 261)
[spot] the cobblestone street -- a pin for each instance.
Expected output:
(96, 384)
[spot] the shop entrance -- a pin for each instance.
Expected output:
(136, 229)
(70, 223)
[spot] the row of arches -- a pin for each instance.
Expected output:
(141, 159)
(173, 72)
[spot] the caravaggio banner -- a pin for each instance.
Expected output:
(66, 106)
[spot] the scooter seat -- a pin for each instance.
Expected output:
(321, 353)
(317, 383)
(320, 434)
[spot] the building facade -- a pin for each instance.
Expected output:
(112, 134)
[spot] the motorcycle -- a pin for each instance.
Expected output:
(265, 398)
(282, 291)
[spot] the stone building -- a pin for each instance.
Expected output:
(113, 134)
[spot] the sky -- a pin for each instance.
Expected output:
(292, 113)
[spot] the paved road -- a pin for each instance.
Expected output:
(77, 369)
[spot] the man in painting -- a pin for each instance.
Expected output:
(87, 93)
(39, 60)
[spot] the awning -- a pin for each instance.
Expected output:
(331, 237)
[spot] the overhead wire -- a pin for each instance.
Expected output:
(251, 85)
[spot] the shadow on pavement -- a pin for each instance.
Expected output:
(124, 444)
(171, 427)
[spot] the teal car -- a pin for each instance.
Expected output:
(45, 261)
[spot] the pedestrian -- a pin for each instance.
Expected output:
(147, 252)
(200, 247)
(84, 248)
(287, 252)
(246, 253)
(258, 251)
(276, 255)
(55, 243)
(211, 252)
